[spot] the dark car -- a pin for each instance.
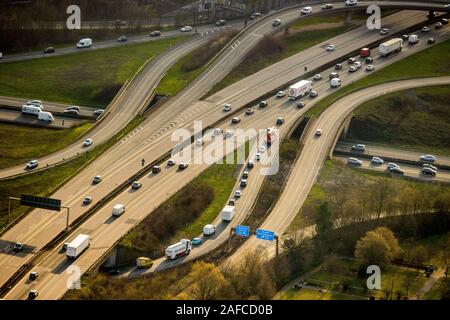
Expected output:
(280, 121)
(33, 294)
(18, 247)
(114, 272)
(182, 166)
(444, 21)
(263, 104)
(431, 41)
(156, 169)
(231, 202)
(369, 60)
(34, 275)
(300, 104)
(98, 112)
(49, 50)
(155, 33)
(136, 185)
(338, 66)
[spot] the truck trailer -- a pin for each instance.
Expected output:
(78, 246)
(388, 47)
(299, 89)
(227, 213)
(179, 249)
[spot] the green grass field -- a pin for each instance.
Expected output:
(431, 62)
(415, 119)
(46, 182)
(90, 78)
(16, 146)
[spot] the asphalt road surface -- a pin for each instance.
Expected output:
(115, 171)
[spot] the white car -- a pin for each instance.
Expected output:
(427, 165)
(226, 107)
(354, 161)
(217, 131)
(426, 29)
(199, 142)
(392, 165)
(359, 147)
(377, 160)
(258, 156)
(351, 2)
(1, 55)
(318, 132)
(313, 94)
(330, 47)
(281, 94)
(262, 149)
(276, 22)
(428, 158)
(32, 164)
(370, 67)
(35, 103)
(317, 77)
(357, 64)
(87, 142)
(384, 31)
(186, 29)
(235, 120)
(237, 194)
(352, 68)
(306, 10)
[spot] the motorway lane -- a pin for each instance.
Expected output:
(101, 230)
(391, 152)
(410, 170)
(39, 221)
(48, 106)
(17, 117)
(211, 28)
(310, 161)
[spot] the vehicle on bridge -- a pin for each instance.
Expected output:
(78, 246)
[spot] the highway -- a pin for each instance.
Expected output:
(411, 171)
(315, 150)
(245, 203)
(391, 152)
(116, 171)
(229, 58)
(102, 227)
(202, 30)
(17, 103)
(15, 117)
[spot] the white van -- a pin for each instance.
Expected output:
(31, 109)
(45, 116)
(335, 82)
(209, 229)
(413, 39)
(84, 43)
(118, 210)
(306, 10)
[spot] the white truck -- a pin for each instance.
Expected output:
(390, 46)
(118, 210)
(179, 249)
(45, 116)
(299, 89)
(78, 246)
(29, 109)
(227, 213)
(335, 82)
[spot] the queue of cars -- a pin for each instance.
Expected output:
(427, 160)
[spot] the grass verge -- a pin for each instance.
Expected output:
(16, 146)
(431, 62)
(191, 65)
(89, 78)
(46, 182)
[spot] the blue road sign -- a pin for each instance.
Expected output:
(243, 231)
(265, 234)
